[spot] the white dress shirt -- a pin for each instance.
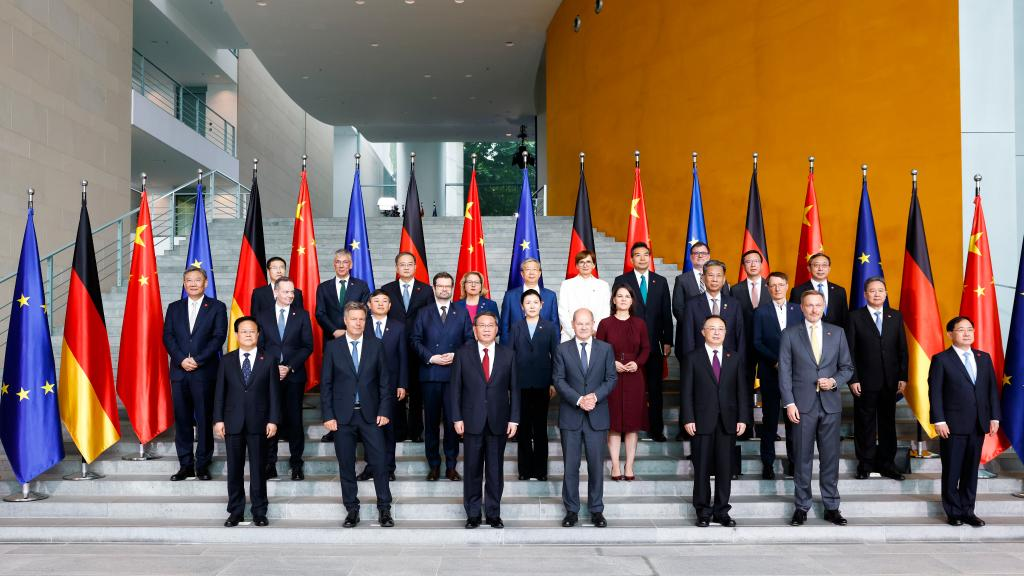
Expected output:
(373, 324)
(590, 354)
(711, 304)
(781, 312)
(815, 334)
(277, 313)
(824, 289)
(711, 354)
(641, 275)
(447, 306)
(698, 275)
(193, 311)
(591, 293)
(252, 357)
(337, 285)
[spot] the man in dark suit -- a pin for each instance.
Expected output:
(396, 350)
(584, 377)
(814, 361)
(512, 311)
(263, 297)
(408, 296)
(837, 311)
(878, 346)
(483, 400)
(194, 331)
(769, 322)
(654, 305)
(246, 412)
(286, 338)
(690, 284)
(438, 332)
(751, 293)
(964, 397)
(716, 409)
(356, 396)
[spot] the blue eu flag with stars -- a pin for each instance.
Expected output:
(696, 231)
(199, 245)
(867, 261)
(29, 414)
(1013, 370)
(525, 241)
(356, 240)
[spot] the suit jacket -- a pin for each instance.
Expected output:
(686, 287)
(768, 336)
(247, 406)
(484, 305)
(329, 313)
(477, 402)
(203, 343)
(339, 382)
(396, 348)
(263, 298)
(297, 344)
(688, 332)
(572, 384)
(534, 357)
(430, 337)
(878, 360)
(512, 309)
(837, 311)
(421, 295)
(656, 312)
(709, 403)
(955, 400)
(741, 292)
(799, 373)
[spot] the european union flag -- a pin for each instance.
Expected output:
(199, 244)
(867, 261)
(525, 243)
(696, 231)
(29, 413)
(1013, 370)
(356, 239)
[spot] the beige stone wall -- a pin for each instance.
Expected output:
(273, 128)
(65, 82)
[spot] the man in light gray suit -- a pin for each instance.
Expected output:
(584, 375)
(814, 361)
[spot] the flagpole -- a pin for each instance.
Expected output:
(983, 471)
(26, 494)
(922, 451)
(810, 160)
(636, 158)
(694, 157)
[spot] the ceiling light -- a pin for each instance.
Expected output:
(508, 134)
(305, 77)
(360, 2)
(510, 44)
(576, 23)
(433, 97)
(426, 75)
(469, 75)
(374, 44)
(459, 1)
(410, 2)
(261, 4)
(472, 97)
(216, 75)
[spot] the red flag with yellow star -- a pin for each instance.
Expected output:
(472, 256)
(143, 382)
(978, 302)
(810, 233)
(637, 230)
(305, 272)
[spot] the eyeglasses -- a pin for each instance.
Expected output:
(964, 330)
(700, 254)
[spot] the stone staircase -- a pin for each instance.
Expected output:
(135, 502)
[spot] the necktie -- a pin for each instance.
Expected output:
(487, 365)
(379, 332)
(444, 314)
(405, 296)
(970, 367)
(755, 295)
(821, 290)
(716, 366)
(643, 288)
(815, 343)
(280, 323)
(246, 369)
(700, 283)
(583, 357)
(355, 362)
(714, 306)
(341, 293)
(878, 322)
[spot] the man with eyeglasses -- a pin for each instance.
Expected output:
(836, 309)
(690, 284)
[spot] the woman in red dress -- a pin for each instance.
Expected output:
(627, 404)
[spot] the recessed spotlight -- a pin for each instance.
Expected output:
(261, 4)
(459, 1)
(469, 75)
(305, 77)
(576, 23)
(508, 134)
(472, 97)
(360, 2)
(216, 75)
(510, 44)
(598, 6)
(427, 76)
(410, 2)
(374, 44)
(433, 97)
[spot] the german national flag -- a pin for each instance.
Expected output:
(582, 228)
(920, 310)
(412, 229)
(88, 400)
(754, 237)
(252, 260)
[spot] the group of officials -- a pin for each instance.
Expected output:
(405, 362)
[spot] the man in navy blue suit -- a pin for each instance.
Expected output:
(511, 309)
(194, 331)
(964, 397)
(715, 300)
(837, 311)
(483, 401)
(438, 332)
(263, 297)
(769, 322)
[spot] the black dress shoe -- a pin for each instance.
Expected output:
(472, 522)
(736, 476)
(184, 472)
(768, 473)
(232, 521)
(543, 477)
(270, 472)
(973, 521)
(891, 473)
(391, 476)
(659, 438)
(452, 475)
(384, 518)
(862, 475)
(418, 439)
(799, 517)
(570, 520)
(298, 474)
(434, 474)
(726, 521)
(203, 474)
(329, 437)
(954, 521)
(366, 474)
(835, 517)
(351, 519)
(680, 436)
(524, 477)
(597, 519)
(260, 520)
(702, 522)
(495, 522)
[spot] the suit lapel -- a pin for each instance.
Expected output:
(958, 360)
(806, 339)
(706, 363)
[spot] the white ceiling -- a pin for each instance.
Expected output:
(320, 52)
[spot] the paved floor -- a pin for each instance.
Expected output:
(862, 559)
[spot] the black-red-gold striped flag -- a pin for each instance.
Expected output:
(412, 229)
(582, 237)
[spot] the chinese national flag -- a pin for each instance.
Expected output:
(978, 303)
(472, 256)
(252, 260)
(143, 382)
(305, 271)
(638, 230)
(811, 242)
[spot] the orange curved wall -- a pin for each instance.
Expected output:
(871, 81)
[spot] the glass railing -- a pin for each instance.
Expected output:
(188, 107)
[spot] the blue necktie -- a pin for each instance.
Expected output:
(878, 322)
(583, 357)
(821, 290)
(970, 367)
(246, 369)
(280, 323)
(405, 296)
(379, 332)
(355, 362)
(643, 288)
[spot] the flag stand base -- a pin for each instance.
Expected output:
(142, 456)
(922, 451)
(25, 495)
(85, 474)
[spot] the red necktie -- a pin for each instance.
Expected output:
(487, 366)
